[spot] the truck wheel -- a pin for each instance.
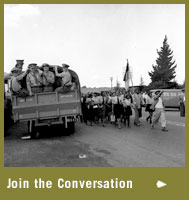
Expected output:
(71, 128)
(8, 118)
(32, 129)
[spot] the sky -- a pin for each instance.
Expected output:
(95, 39)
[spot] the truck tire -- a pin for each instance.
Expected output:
(32, 130)
(8, 120)
(71, 127)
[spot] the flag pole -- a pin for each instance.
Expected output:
(130, 75)
(127, 76)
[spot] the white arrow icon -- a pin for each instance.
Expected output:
(160, 184)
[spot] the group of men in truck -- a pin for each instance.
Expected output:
(39, 79)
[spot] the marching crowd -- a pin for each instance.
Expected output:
(117, 107)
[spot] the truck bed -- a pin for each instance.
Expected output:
(46, 106)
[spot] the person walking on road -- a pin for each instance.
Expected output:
(149, 101)
(182, 103)
(84, 108)
(102, 108)
(127, 110)
(159, 112)
(90, 111)
(117, 107)
(137, 99)
(96, 107)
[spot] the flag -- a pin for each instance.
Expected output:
(127, 76)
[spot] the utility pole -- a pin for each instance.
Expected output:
(111, 79)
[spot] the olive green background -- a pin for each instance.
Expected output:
(144, 178)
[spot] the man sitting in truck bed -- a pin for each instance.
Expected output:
(19, 66)
(48, 78)
(15, 83)
(66, 82)
(34, 80)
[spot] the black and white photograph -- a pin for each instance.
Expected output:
(94, 85)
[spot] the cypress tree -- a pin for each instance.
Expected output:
(164, 70)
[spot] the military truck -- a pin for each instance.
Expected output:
(49, 108)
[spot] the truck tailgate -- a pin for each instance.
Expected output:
(46, 106)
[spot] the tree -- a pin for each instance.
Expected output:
(164, 70)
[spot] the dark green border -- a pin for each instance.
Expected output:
(144, 178)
